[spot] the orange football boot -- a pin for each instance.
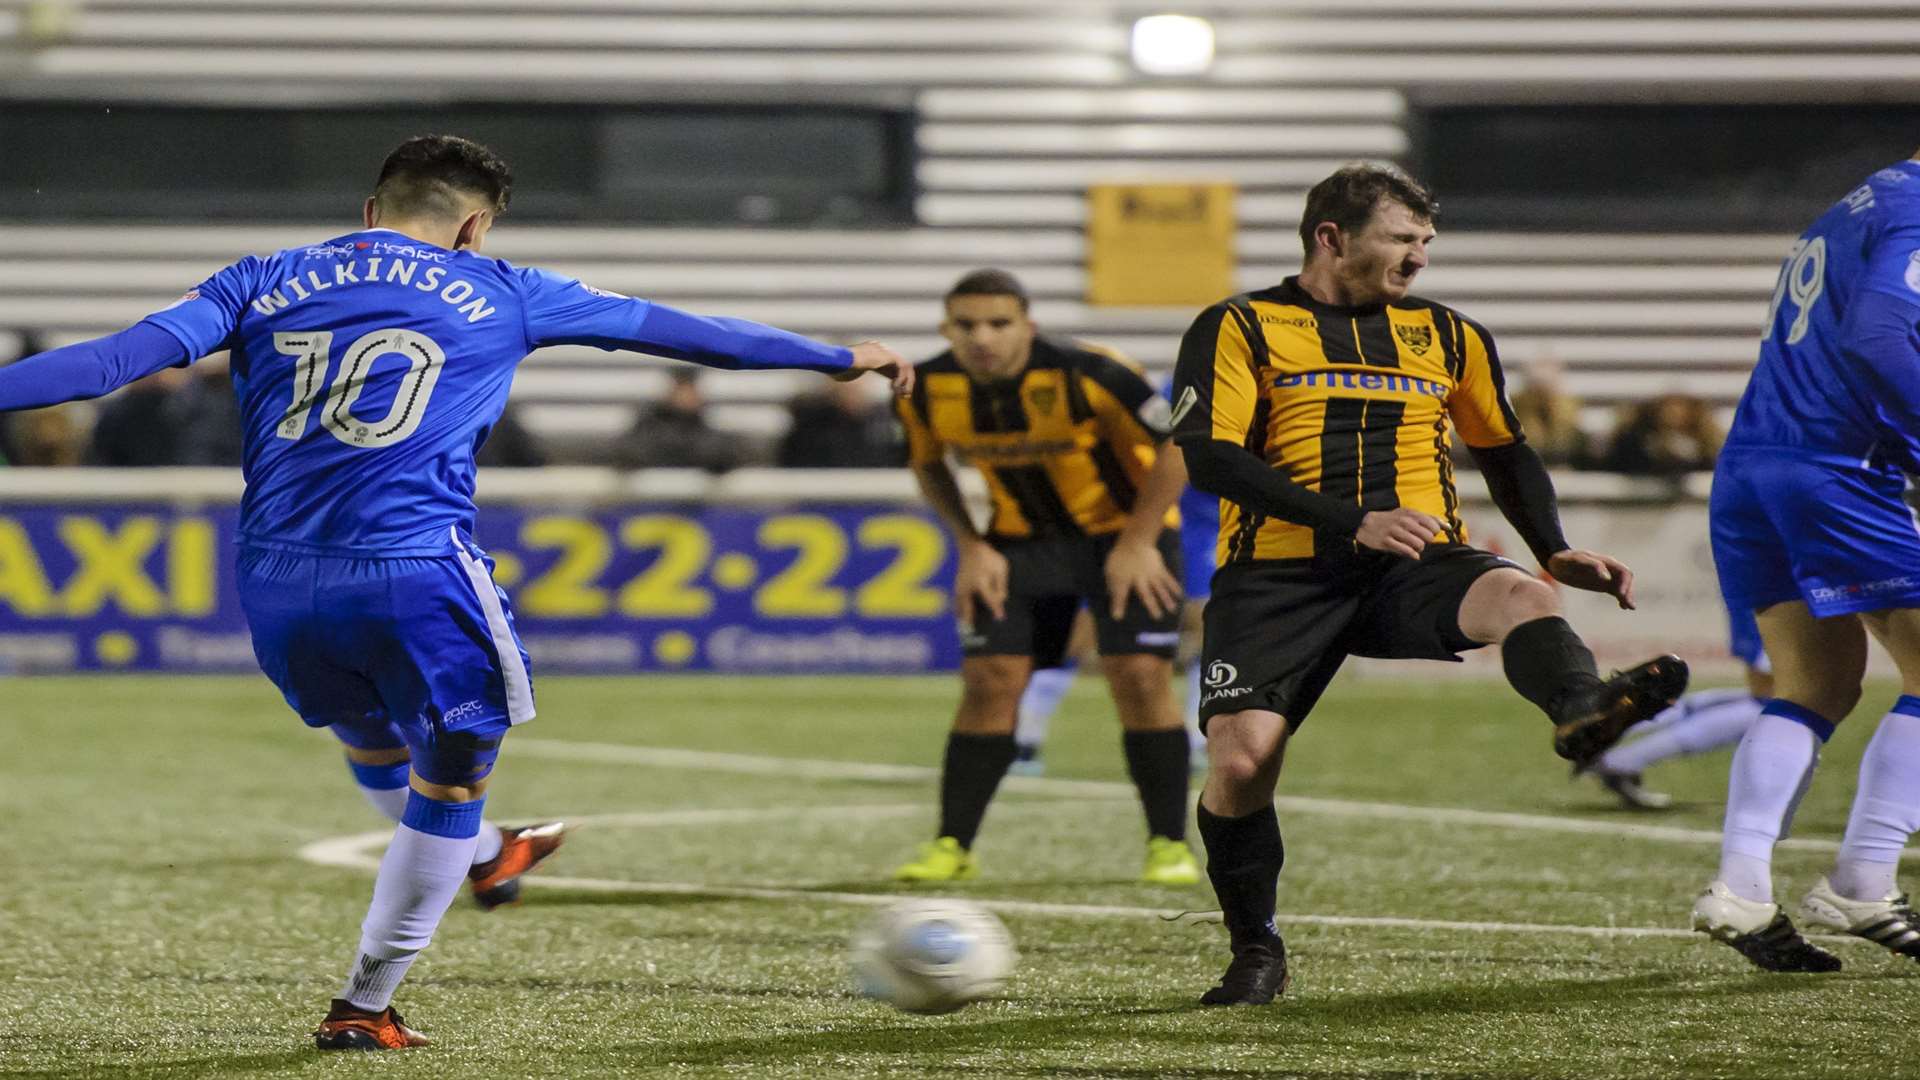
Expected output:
(497, 881)
(349, 1028)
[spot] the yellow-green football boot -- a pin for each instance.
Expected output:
(940, 860)
(1170, 862)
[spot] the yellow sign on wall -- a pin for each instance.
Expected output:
(1160, 244)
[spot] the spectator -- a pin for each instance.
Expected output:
(205, 416)
(510, 445)
(841, 427)
(134, 428)
(1669, 436)
(1550, 416)
(47, 437)
(674, 433)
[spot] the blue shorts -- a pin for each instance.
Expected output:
(1199, 541)
(414, 652)
(1834, 534)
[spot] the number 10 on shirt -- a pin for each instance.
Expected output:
(311, 352)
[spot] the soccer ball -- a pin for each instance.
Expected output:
(932, 956)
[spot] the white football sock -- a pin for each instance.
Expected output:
(1771, 771)
(1680, 710)
(487, 844)
(419, 877)
(1691, 726)
(384, 786)
(391, 802)
(1886, 808)
(1040, 701)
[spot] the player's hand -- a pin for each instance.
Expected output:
(1593, 572)
(982, 578)
(1137, 567)
(875, 357)
(1400, 531)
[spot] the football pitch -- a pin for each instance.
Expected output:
(186, 867)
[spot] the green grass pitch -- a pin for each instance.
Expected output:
(158, 919)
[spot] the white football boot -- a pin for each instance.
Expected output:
(1761, 932)
(1888, 921)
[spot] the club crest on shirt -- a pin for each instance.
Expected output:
(1043, 398)
(1417, 338)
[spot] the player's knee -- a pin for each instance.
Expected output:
(1234, 765)
(1523, 600)
(1244, 752)
(1139, 678)
(994, 677)
(1532, 599)
(459, 762)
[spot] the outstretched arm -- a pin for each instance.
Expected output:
(733, 344)
(742, 345)
(89, 369)
(563, 311)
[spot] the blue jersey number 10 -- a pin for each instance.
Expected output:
(311, 352)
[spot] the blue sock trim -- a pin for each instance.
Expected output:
(1908, 705)
(1800, 714)
(454, 820)
(379, 777)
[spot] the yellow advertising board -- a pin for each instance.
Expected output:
(1159, 244)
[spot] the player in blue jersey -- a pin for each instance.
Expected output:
(369, 368)
(1811, 532)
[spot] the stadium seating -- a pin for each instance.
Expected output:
(1020, 109)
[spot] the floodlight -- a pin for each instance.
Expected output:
(1172, 45)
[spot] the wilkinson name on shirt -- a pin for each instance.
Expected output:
(375, 270)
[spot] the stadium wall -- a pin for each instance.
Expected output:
(669, 570)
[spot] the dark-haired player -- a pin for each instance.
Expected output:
(368, 368)
(1070, 441)
(1319, 411)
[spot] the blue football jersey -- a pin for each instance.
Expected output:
(369, 370)
(1807, 394)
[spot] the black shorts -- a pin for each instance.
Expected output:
(1278, 630)
(1048, 581)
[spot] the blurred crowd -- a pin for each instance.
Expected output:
(1667, 436)
(188, 417)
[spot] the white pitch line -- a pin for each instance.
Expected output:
(356, 852)
(815, 769)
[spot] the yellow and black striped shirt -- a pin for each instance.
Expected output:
(1354, 403)
(1064, 446)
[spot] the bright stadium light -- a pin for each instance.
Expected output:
(1172, 45)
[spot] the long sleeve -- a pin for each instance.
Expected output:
(1518, 481)
(1221, 468)
(89, 369)
(564, 311)
(734, 344)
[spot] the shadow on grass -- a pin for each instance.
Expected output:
(1325, 1015)
(182, 1069)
